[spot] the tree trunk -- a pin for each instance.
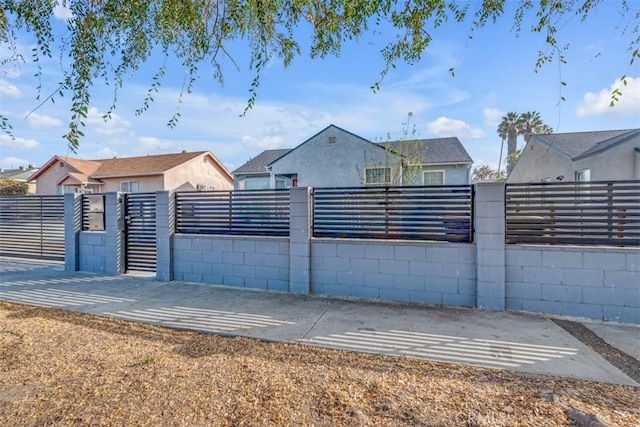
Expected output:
(511, 148)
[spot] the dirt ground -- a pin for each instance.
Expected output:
(64, 368)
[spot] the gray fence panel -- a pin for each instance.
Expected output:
(581, 213)
(32, 226)
(244, 212)
(140, 217)
(440, 213)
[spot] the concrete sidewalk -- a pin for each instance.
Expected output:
(514, 341)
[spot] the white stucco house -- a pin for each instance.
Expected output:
(335, 157)
(608, 155)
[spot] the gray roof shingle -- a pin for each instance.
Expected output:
(579, 144)
(431, 151)
(260, 162)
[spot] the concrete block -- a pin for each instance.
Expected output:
(513, 304)
(633, 298)
(299, 263)
(490, 241)
(278, 260)
(491, 257)
(410, 253)
(222, 269)
(394, 267)
(622, 314)
(622, 279)
(603, 260)
(467, 254)
(467, 287)
(317, 288)
(493, 274)
(233, 281)
(192, 255)
(593, 311)
(336, 264)
(582, 277)
(377, 280)
(378, 250)
(201, 268)
(523, 257)
(538, 306)
(459, 300)
(524, 291)
(266, 246)
(255, 283)
(362, 265)
(267, 272)
(562, 293)
(395, 295)
(212, 257)
(490, 303)
(544, 275)
(489, 225)
(254, 258)
(283, 273)
(181, 243)
(412, 283)
(317, 262)
(441, 285)
(299, 277)
(278, 285)
(350, 278)
(222, 244)
(633, 261)
(350, 250)
(323, 249)
(323, 276)
(422, 297)
(461, 271)
(202, 244)
(233, 258)
(245, 271)
(513, 273)
(442, 253)
(562, 259)
(244, 246)
(283, 247)
(364, 292)
(426, 269)
(608, 296)
(213, 279)
(192, 277)
(337, 290)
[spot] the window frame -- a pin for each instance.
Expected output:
(129, 185)
(440, 171)
(387, 175)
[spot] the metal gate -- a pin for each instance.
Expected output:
(32, 226)
(140, 231)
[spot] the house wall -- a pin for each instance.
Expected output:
(200, 170)
(46, 183)
(617, 163)
(538, 162)
(319, 163)
(453, 174)
(146, 184)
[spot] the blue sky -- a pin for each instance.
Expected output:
(494, 74)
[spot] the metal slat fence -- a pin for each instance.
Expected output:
(581, 213)
(32, 226)
(440, 213)
(140, 217)
(243, 212)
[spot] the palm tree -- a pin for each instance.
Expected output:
(509, 129)
(531, 123)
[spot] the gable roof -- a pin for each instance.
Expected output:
(259, 163)
(17, 174)
(582, 144)
(431, 151)
(86, 167)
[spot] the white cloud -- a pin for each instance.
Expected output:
(43, 121)
(106, 153)
(151, 144)
(115, 126)
(598, 104)
(13, 162)
(492, 116)
(264, 142)
(18, 143)
(444, 126)
(7, 89)
(62, 12)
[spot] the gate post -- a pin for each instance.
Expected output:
(114, 228)
(489, 221)
(72, 228)
(300, 221)
(165, 225)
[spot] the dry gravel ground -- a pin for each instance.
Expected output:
(64, 368)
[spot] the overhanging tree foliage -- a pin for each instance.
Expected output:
(109, 40)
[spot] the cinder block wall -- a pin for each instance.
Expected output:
(92, 251)
(600, 283)
(250, 262)
(399, 271)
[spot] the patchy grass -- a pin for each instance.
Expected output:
(64, 368)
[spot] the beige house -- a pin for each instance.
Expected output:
(182, 172)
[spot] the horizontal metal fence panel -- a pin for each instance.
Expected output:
(582, 213)
(243, 212)
(141, 231)
(32, 226)
(441, 213)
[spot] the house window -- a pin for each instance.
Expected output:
(129, 186)
(583, 175)
(281, 183)
(433, 178)
(332, 140)
(378, 176)
(256, 184)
